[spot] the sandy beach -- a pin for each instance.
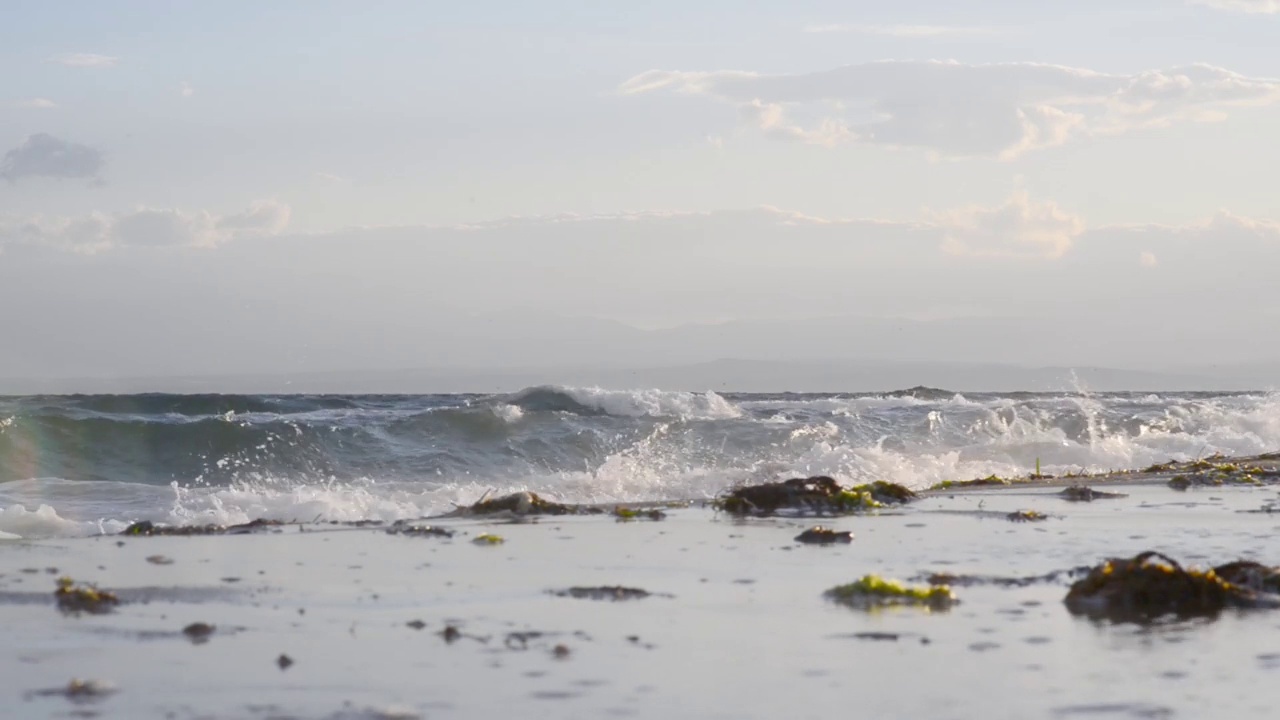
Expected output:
(379, 625)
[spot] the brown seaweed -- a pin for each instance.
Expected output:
(74, 599)
(146, 528)
(819, 535)
(615, 593)
(1151, 585)
(819, 494)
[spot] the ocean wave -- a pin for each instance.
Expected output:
(64, 473)
(624, 403)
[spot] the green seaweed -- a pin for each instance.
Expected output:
(1027, 516)
(625, 514)
(873, 591)
(488, 539)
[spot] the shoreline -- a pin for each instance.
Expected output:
(381, 625)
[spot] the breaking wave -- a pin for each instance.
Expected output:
(89, 464)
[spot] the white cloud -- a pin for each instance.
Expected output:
(36, 104)
(329, 177)
(145, 227)
(185, 89)
(1019, 227)
(86, 60)
(960, 110)
(1263, 7)
(903, 31)
(43, 155)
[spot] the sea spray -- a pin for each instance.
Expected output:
(82, 465)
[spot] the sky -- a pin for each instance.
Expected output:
(311, 185)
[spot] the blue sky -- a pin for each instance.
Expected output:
(1010, 131)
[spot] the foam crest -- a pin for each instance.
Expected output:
(626, 403)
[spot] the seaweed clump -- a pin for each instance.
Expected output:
(873, 591)
(526, 503)
(1208, 475)
(614, 593)
(400, 527)
(987, 481)
(819, 535)
(819, 494)
(1026, 516)
(75, 599)
(1152, 584)
(626, 514)
(146, 528)
(1084, 493)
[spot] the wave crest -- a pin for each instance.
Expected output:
(624, 403)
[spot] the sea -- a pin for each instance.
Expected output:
(81, 465)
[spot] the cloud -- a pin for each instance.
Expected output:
(903, 31)
(145, 227)
(1019, 227)
(86, 60)
(1148, 259)
(1260, 7)
(961, 110)
(36, 104)
(185, 89)
(43, 155)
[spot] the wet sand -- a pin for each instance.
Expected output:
(736, 625)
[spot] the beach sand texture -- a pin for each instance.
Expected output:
(376, 625)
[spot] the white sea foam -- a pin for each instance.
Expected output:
(629, 403)
(656, 456)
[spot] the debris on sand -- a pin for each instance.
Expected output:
(614, 593)
(198, 633)
(159, 560)
(78, 691)
(416, 624)
(146, 528)
(819, 494)
(1084, 493)
(818, 535)
(873, 591)
(488, 539)
(73, 599)
(284, 661)
(401, 527)
(1026, 516)
(625, 514)
(1151, 584)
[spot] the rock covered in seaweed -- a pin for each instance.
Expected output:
(819, 494)
(1152, 584)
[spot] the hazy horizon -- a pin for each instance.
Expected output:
(300, 188)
